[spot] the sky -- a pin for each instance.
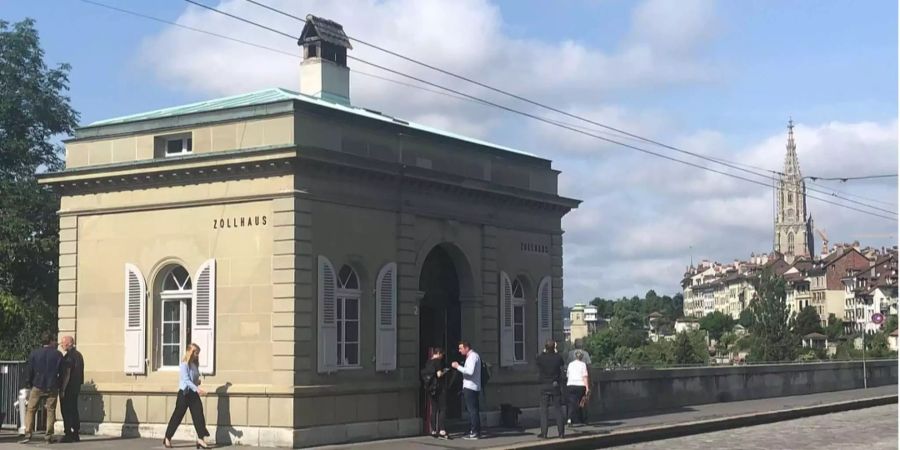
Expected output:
(715, 78)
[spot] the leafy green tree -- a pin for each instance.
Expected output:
(34, 109)
(877, 345)
(772, 323)
(716, 323)
(891, 323)
(690, 348)
(835, 327)
(807, 321)
(746, 318)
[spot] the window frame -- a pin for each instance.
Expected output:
(518, 303)
(342, 294)
(183, 332)
(183, 295)
(187, 144)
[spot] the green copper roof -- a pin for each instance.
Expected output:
(277, 95)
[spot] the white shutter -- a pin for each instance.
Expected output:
(545, 312)
(507, 344)
(203, 319)
(135, 322)
(386, 307)
(327, 309)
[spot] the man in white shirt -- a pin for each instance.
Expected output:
(578, 386)
(471, 371)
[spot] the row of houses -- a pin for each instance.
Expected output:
(848, 282)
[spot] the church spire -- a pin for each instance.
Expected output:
(791, 162)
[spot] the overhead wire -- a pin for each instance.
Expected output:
(463, 96)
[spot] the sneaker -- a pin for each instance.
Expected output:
(471, 437)
(25, 439)
(444, 436)
(569, 422)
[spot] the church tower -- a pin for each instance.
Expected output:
(793, 223)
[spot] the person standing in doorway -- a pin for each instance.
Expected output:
(189, 392)
(73, 378)
(550, 369)
(44, 370)
(578, 386)
(434, 377)
(471, 371)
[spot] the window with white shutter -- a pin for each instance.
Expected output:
(135, 320)
(518, 322)
(386, 310)
(545, 312)
(327, 300)
(507, 349)
(203, 321)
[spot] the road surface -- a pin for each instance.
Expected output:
(871, 428)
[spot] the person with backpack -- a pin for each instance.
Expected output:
(434, 379)
(471, 371)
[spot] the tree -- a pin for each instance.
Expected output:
(746, 318)
(807, 321)
(33, 110)
(772, 322)
(877, 345)
(835, 328)
(891, 323)
(716, 323)
(690, 348)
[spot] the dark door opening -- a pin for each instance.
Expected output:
(440, 321)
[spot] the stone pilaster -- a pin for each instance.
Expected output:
(490, 345)
(68, 271)
(408, 297)
(292, 292)
(556, 274)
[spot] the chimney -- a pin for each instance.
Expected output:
(324, 73)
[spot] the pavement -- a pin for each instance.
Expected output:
(872, 428)
(603, 432)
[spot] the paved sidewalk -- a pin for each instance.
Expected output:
(500, 438)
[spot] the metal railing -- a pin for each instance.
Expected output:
(633, 366)
(12, 378)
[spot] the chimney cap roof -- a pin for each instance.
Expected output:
(321, 29)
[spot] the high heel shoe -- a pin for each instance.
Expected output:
(167, 443)
(202, 444)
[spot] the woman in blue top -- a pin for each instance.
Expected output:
(189, 393)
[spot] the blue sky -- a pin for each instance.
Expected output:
(721, 78)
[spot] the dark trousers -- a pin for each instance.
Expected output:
(576, 393)
(188, 399)
(438, 412)
(69, 400)
(552, 396)
(474, 410)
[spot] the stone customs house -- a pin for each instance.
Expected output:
(313, 249)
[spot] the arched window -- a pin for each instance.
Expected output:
(175, 292)
(347, 318)
(518, 302)
(790, 198)
(790, 243)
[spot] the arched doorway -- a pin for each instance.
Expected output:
(440, 318)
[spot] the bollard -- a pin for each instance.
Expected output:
(21, 405)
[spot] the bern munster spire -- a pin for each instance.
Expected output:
(793, 223)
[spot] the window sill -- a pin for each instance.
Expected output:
(341, 368)
(167, 369)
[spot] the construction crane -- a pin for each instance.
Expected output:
(824, 241)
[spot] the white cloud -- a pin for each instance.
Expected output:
(642, 218)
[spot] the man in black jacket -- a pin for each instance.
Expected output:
(550, 366)
(73, 364)
(44, 368)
